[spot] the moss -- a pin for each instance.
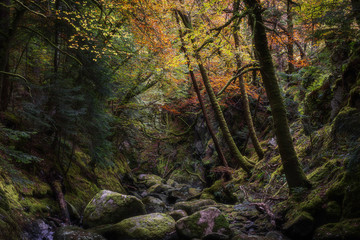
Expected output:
(313, 204)
(328, 170)
(110, 207)
(346, 125)
(9, 227)
(347, 229)
(147, 227)
(220, 223)
(39, 207)
(222, 192)
(300, 226)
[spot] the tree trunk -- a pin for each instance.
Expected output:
(241, 160)
(290, 40)
(4, 54)
(356, 10)
(245, 100)
(294, 174)
(201, 101)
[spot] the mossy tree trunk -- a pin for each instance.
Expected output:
(201, 101)
(356, 10)
(4, 54)
(245, 100)
(294, 174)
(243, 162)
(290, 39)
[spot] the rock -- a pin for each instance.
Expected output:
(159, 188)
(150, 179)
(38, 229)
(244, 236)
(191, 207)
(154, 226)
(220, 191)
(203, 223)
(300, 226)
(347, 229)
(111, 207)
(153, 204)
(274, 235)
(75, 233)
(247, 210)
(177, 214)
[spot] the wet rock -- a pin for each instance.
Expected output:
(247, 210)
(203, 223)
(75, 233)
(39, 230)
(154, 226)
(153, 204)
(300, 226)
(347, 229)
(177, 214)
(150, 179)
(191, 207)
(111, 207)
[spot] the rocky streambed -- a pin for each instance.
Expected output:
(167, 210)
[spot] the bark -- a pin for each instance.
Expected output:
(201, 101)
(241, 160)
(290, 39)
(245, 100)
(356, 10)
(294, 174)
(56, 185)
(4, 54)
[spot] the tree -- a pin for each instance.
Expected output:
(244, 96)
(244, 163)
(294, 174)
(200, 99)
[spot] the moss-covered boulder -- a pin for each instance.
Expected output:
(177, 214)
(154, 226)
(75, 233)
(300, 226)
(220, 191)
(111, 207)
(153, 204)
(206, 222)
(150, 179)
(191, 207)
(348, 229)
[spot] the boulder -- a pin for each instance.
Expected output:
(300, 226)
(206, 224)
(111, 207)
(150, 179)
(154, 226)
(75, 233)
(346, 229)
(191, 207)
(153, 205)
(177, 214)
(160, 188)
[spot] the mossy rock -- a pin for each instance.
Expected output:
(300, 226)
(9, 227)
(346, 125)
(75, 233)
(154, 226)
(221, 192)
(203, 223)
(111, 207)
(348, 229)
(153, 204)
(193, 206)
(177, 214)
(150, 179)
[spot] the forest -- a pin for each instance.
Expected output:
(179, 119)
